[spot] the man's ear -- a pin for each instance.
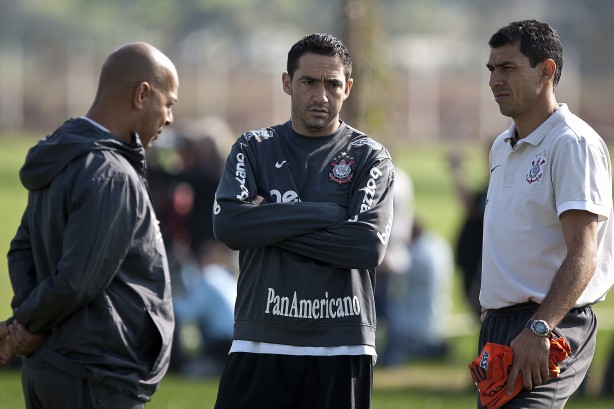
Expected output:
(348, 87)
(286, 83)
(141, 92)
(549, 69)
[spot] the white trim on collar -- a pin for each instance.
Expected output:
(96, 124)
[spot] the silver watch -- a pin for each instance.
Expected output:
(539, 328)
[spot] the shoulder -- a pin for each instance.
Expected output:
(99, 167)
(260, 139)
(572, 128)
(259, 135)
(372, 157)
(271, 134)
(359, 140)
(364, 140)
(576, 140)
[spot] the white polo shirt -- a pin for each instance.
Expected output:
(562, 165)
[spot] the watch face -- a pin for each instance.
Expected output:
(540, 327)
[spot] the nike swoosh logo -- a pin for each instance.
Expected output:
(280, 164)
(494, 168)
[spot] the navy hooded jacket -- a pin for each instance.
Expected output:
(88, 264)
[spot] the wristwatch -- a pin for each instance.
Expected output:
(539, 328)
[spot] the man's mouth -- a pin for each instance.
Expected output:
(500, 96)
(318, 111)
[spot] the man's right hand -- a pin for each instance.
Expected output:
(257, 200)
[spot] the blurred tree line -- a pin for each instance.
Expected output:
(419, 60)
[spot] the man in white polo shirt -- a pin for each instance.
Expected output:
(547, 228)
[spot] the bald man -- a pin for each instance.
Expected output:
(92, 312)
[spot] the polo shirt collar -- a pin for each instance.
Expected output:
(535, 137)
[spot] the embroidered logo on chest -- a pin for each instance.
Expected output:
(536, 172)
(342, 169)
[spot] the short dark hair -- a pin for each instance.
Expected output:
(537, 40)
(322, 44)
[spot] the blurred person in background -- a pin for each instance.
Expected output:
(468, 251)
(308, 204)
(92, 310)
(419, 303)
(397, 258)
(547, 253)
(207, 301)
(183, 175)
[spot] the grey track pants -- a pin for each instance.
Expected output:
(579, 328)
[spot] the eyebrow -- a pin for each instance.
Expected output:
(310, 78)
(501, 64)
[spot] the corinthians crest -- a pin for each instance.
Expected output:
(536, 173)
(342, 169)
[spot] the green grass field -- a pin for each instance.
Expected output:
(421, 385)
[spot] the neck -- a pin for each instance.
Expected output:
(107, 121)
(533, 118)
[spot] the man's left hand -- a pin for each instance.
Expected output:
(7, 351)
(23, 341)
(531, 358)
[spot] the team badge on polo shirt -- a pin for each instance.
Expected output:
(536, 172)
(342, 170)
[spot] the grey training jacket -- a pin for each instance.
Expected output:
(88, 265)
(308, 253)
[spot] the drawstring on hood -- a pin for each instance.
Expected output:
(74, 138)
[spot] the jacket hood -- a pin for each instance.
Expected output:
(74, 138)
